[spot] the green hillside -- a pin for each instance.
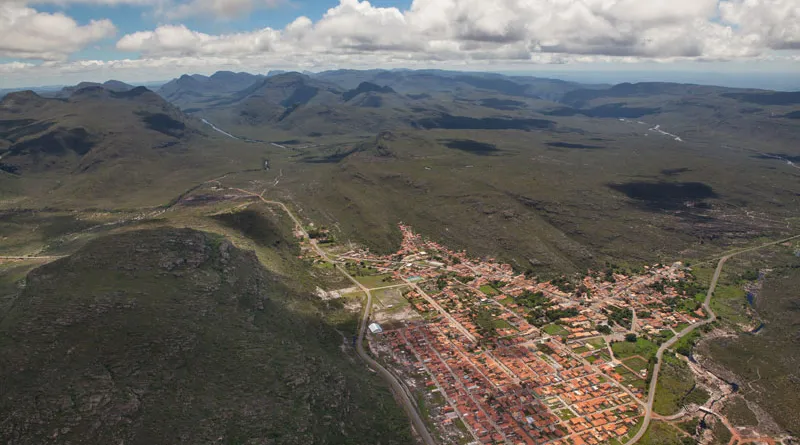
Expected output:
(174, 336)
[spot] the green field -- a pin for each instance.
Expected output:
(636, 363)
(499, 323)
(629, 378)
(555, 329)
(598, 342)
(489, 290)
(730, 304)
(375, 281)
(642, 347)
(662, 433)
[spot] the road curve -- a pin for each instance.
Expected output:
(651, 393)
(397, 387)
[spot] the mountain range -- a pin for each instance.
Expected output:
(156, 214)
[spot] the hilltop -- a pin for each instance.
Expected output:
(176, 336)
(111, 85)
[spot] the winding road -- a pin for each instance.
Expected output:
(651, 393)
(397, 386)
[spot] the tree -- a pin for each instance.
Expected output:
(604, 329)
(630, 337)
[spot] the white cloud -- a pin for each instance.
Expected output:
(453, 32)
(774, 23)
(28, 34)
(507, 29)
(177, 40)
(177, 9)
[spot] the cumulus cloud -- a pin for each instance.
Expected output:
(773, 23)
(510, 29)
(178, 40)
(28, 34)
(455, 32)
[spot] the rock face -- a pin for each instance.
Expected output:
(174, 336)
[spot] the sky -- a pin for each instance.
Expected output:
(59, 42)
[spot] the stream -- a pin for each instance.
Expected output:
(218, 129)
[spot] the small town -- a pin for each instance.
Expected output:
(507, 358)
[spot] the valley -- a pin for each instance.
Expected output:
(564, 250)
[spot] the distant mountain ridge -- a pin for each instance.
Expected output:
(111, 85)
(188, 89)
(366, 87)
(93, 125)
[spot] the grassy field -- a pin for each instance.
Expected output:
(676, 387)
(489, 290)
(630, 378)
(636, 363)
(642, 347)
(390, 298)
(598, 342)
(374, 281)
(662, 433)
(499, 323)
(730, 304)
(555, 329)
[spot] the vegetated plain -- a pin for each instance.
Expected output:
(763, 358)
(550, 192)
(554, 177)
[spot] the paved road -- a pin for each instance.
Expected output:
(651, 395)
(441, 310)
(397, 387)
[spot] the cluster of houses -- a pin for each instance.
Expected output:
(499, 370)
(514, 394)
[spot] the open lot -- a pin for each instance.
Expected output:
(636, 363)
(641, 347)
